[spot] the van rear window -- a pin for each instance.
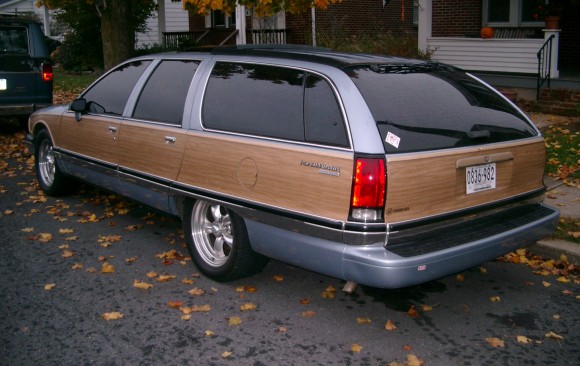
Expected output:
(430, 106)
(13, 41)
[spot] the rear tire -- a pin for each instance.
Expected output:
(218, 241)
(52, 181)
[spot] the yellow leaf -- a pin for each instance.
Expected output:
(130, 260)
(247, 306)
(176, 305)
(142, 285)
(390, 325)
(234, 320)
(412, 312)
(196, 291)
(363, 320)
(413, 360)
(556, 317)
(563, 279)
(426, 307)
(107, 268)
(546, 284)
(330, 288)
(460, 277)
(93, 218)
(77, 266)
(226, 354)
(495, 342)
(187, 281)
(72, 238)
(65, 231)
(186, 317)
(112, 316)
(67, 254)
(151, 274)
(91, 270)
(8, 212)
(278, 278)
(356, 348)
(494, 299)
(49, 286)
(328, 295)
(482, 270)
(165, 278)
(209, 333)
(523, 339)
(555, 336)
(27, 230)
(201, 308)
(44, 237)
(63, 246)
(308, 314)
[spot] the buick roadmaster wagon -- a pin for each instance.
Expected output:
(377, 170)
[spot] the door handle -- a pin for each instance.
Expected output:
(112, 129)
(170, 139)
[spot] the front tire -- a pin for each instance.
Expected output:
(218, 241)
(51, 180)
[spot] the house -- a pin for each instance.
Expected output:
(169, 17)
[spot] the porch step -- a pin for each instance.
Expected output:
(563, 102)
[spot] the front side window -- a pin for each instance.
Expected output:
(110, 94)
(164, 94)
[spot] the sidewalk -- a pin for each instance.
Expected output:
(561, 196)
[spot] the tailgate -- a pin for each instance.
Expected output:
(423, 185)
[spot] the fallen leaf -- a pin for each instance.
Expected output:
(201, 308)
(413, 360)
(130, 260)
(308, 314)
(196, 291)
(523, 339)
(495, 342)
(175, 304)
(356, 348)
(151, 274)
(413, 313)
(363, 320)
(65, 231)
(8, 212)
(187, 281)
(226, 354)
(282, 329)
(567, 292)
(27, 230)
(562, 279)
(165, 278)
(278, 278)
(482, 270)
(107, 268)
(72, 238)
(555, 336)
(556, 317)
(67, 254)
(77, 266)
(142, 285)
(546, 284)
(234, 320)
(426, 308)
(49, 286)
(328, 295)
(112, 316)
(44, 237)
(460, 277)
(390, 325)
(186, 317)
(304, 301)
(91, 270)
(247, 306)
(63, 246)
(407, 347)
(209, 333)
(494, 299)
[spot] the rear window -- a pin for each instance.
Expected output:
(13, 40)
(431, 106)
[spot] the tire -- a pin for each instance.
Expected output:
(218, 241)
(52, 181)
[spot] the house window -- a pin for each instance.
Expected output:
(220, 19)
(509, 13)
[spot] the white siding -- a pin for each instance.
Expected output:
(176, 20)
(500, 55)
(18, 6)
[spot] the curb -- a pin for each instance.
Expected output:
(553, 249)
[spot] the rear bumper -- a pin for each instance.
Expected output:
(376, 266)
(21, 109)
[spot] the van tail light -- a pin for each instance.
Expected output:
(368, 192)
(47, 72)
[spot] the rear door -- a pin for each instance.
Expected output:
(17, 76)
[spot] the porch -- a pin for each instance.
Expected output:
(222, 36)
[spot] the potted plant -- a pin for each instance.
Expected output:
(549, 11)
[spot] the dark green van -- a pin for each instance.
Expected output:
(25, 68)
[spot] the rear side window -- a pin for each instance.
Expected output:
(13, 40)
(164, 94)
(431, 106)
(273, 101)
(110, 94)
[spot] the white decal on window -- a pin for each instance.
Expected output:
(393, 139)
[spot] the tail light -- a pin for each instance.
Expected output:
(368, 192)
(47, 72)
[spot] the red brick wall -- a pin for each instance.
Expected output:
(353, 17)
(456, 18)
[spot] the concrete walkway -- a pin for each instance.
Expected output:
(561, 196)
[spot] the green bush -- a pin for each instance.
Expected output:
(75, 54)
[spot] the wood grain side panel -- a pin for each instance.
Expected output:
(270, 173)
(92, 136)
(148, 148)
(429, 184)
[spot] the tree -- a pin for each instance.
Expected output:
(261, 7)
(119, 20)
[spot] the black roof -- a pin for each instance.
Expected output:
(313, 54)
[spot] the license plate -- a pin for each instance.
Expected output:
(3, 84)
(480, 178)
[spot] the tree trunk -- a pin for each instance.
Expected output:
(117, 32)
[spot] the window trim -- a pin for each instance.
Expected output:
(302, 69)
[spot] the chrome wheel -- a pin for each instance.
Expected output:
(211, 229)
(46, 163)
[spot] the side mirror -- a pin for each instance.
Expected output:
(78, 106)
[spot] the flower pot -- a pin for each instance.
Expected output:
(552, 22)
(486, 32)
